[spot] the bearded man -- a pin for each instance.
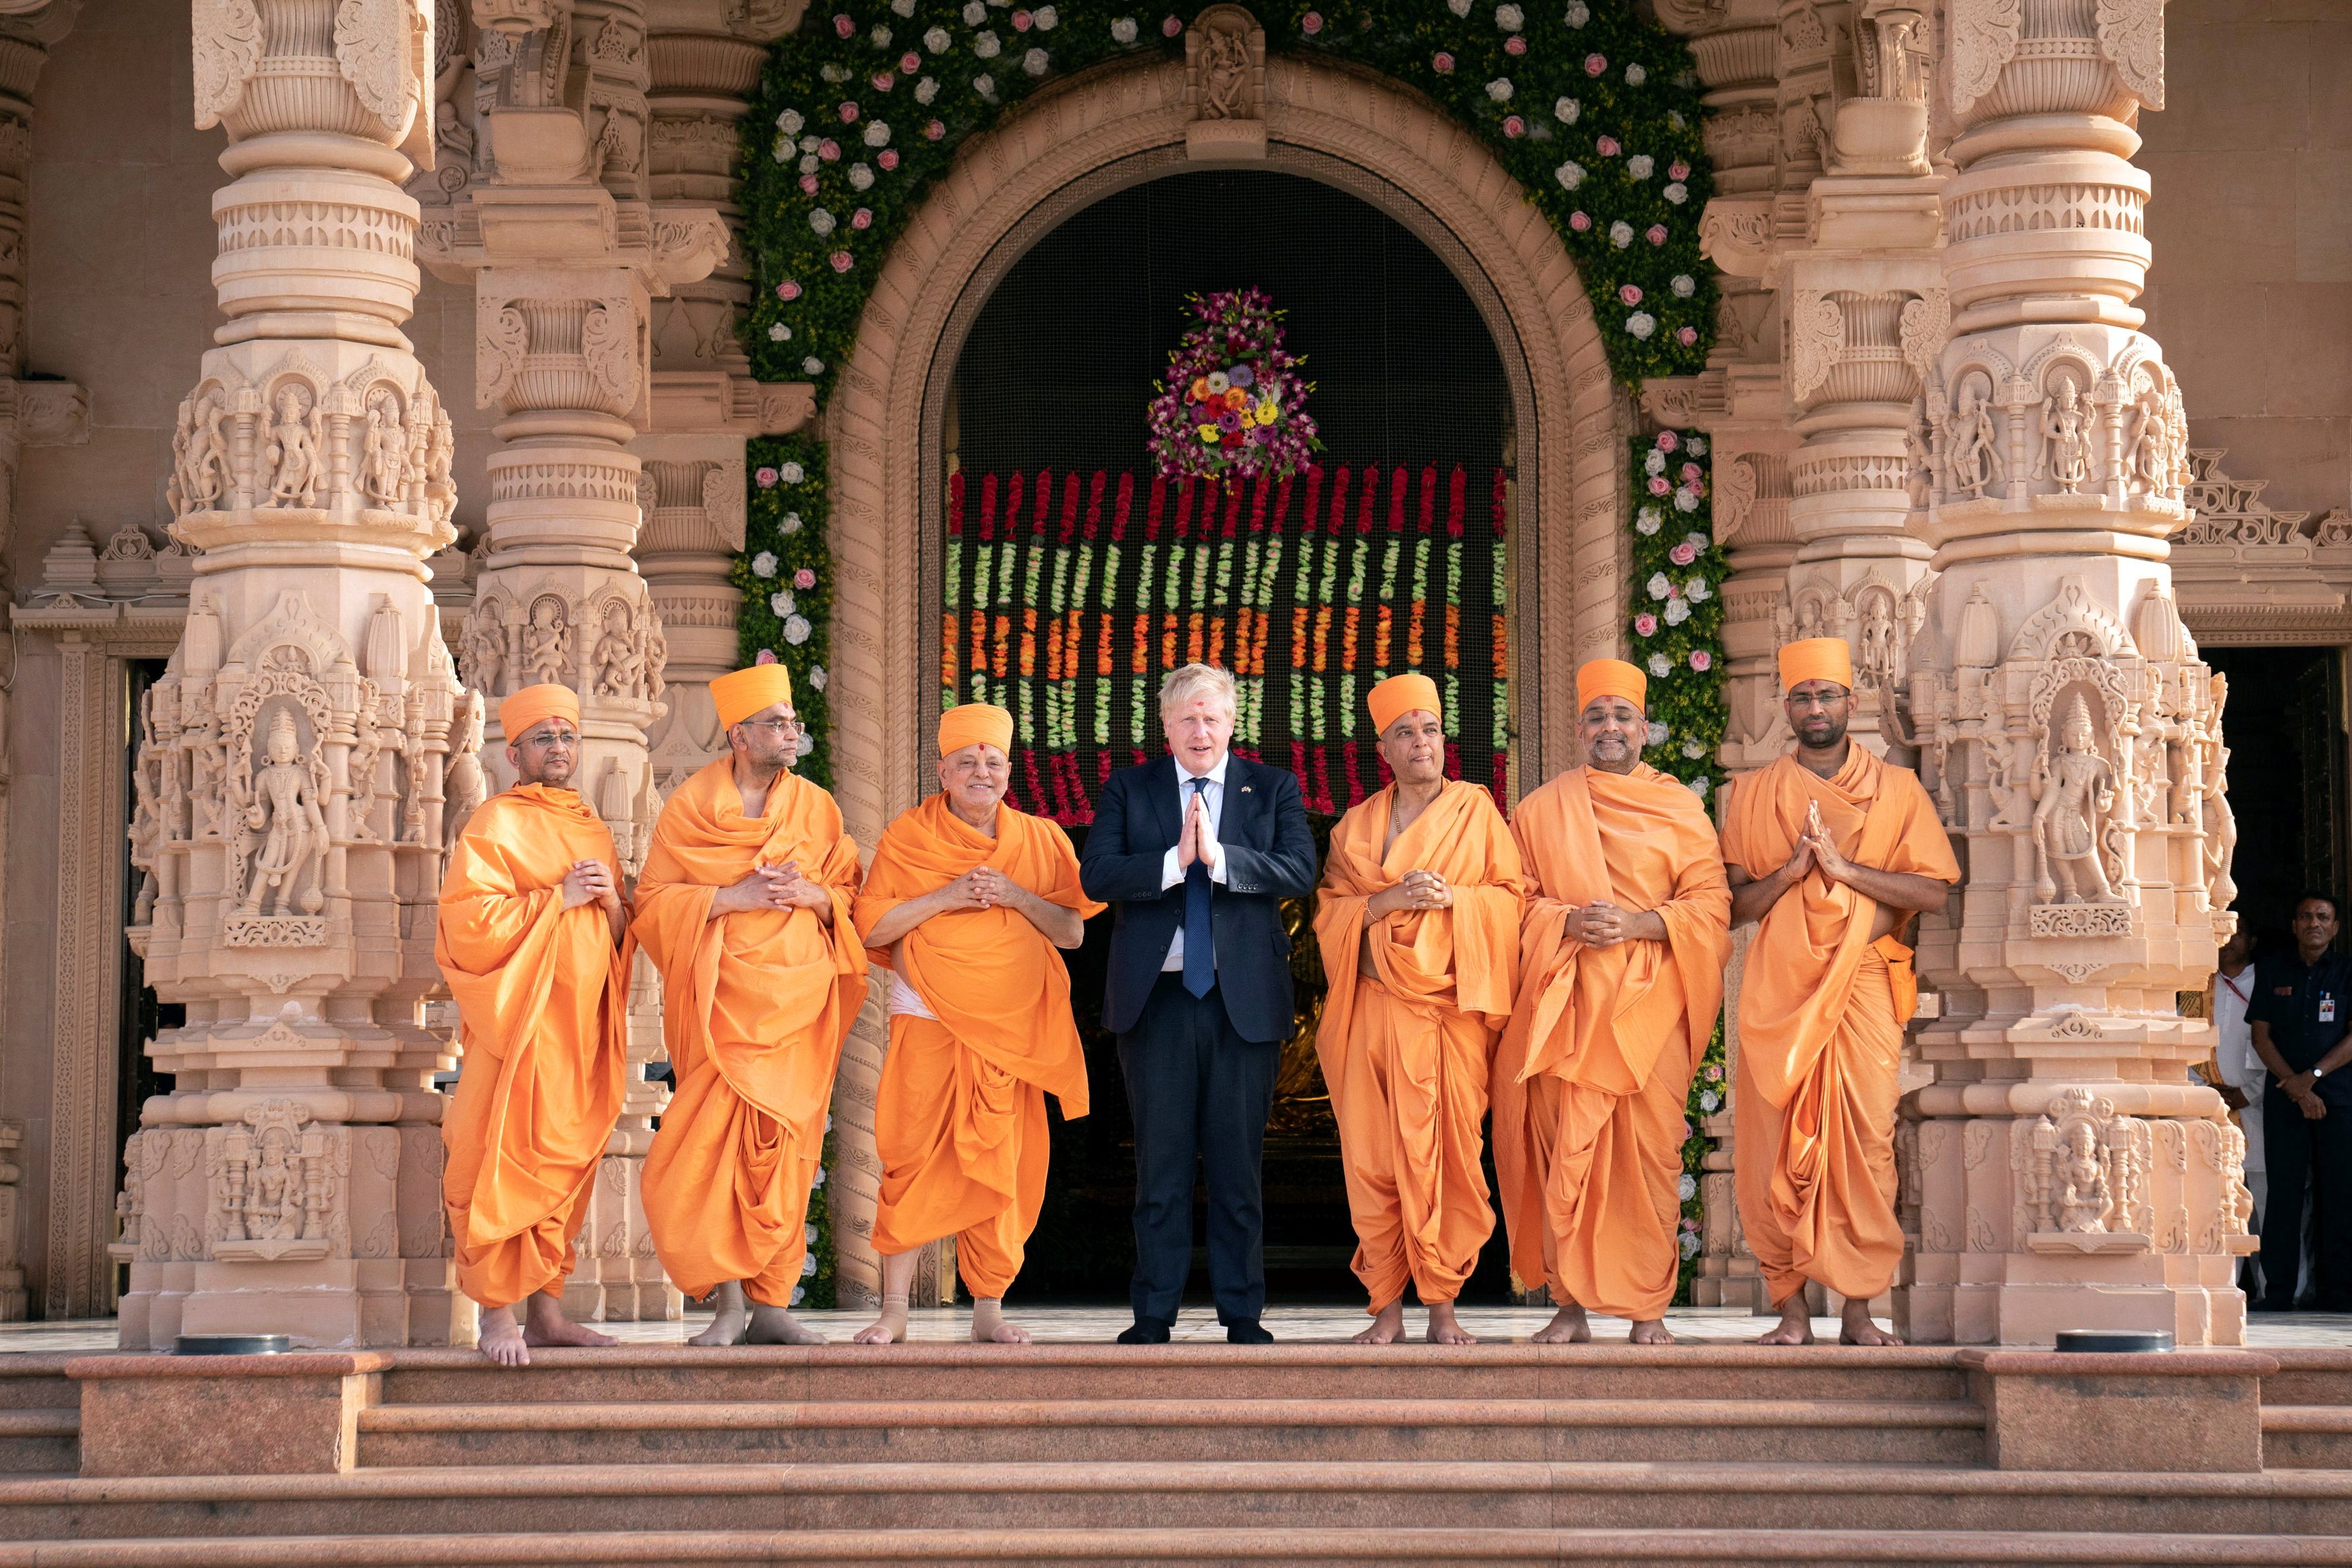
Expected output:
(1418, 919)
(968, 904)
(528, 936)
(744, 906)
(1623, 948)
(1832, 851)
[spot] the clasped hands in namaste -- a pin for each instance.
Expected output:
(1418, 890)
(1814, 848)
(772, 887)
(591, 881)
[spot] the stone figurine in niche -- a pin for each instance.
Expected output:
(284, 828)
(1976, 446)
(543, 650)
(2084, 1199)
(620, 663)
(2076, 788)
(2149, 456)
(1878, 654)
(1225, 74)
(201, 451)
(2065, 457)
(486, 655)
(273, 1189)
(463, 787)
(296, 436)
(384, 450)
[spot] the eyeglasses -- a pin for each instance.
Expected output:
(776, 727)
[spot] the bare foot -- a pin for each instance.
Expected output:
(773, 1326)
(889, 1327)
(1567, 1326)
(544, 1323)
(1445, 1328)
(733, 1321)
(1854, 1326)
(1648, 1331)
(501, 1338)
(1387, 1325)
(1796, 1325)
(988, 1324)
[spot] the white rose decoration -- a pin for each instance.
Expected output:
(903, 7)
(835, 73)
(1640, 165)
(1459, 7)
(985, 87)
(817, 678)
(1648, 521)
(764, 564)
(1687, 1241)
(790, 123)
(881, 36)
(1659, 586)
(797, 630)
(782, 150)
(1510, 19)
(926, 90)
(1570, 175)
(792, 523)
(1677, 192)
(1654, 462)
(1657, 733)
(792, 473)
(1578, 14)
(861, 177)
(1677, 612)
(1621, 234)
(1046, 18)
(1661, 666)
(1697, 541)
(810, 163)
(1686, 1187)
(1686, 500)
(821, 221)
(1499, 89)
(1684, 286)
(1697, 590)
(810, 143)
(1635, 76)
(987, 46)
(1034, 62)
(812, 366)
(1566, 110)
(780, 333)
(1122, 30)
(1641, 324)
(1696, 446)
(1699, 786)
(937, 40)
(877, 134)
(808, 743)
(783, 604)
(975, 14)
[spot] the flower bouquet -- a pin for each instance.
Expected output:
(1233, 404)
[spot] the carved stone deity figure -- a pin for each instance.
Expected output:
(544, 652)
(620, 662)
(486, 652)
(285, 828)
(463, 787)
(1976, 459)
(2083, 1197)
(2008, 795)
(273, 1188)
(296, 436)
(1225, 73)
(1879, 648)
(383, 453)
(2147, 456)
(2066, 458)
(2078, 786)
(203, 453)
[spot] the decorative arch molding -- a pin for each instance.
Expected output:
(1125, 124)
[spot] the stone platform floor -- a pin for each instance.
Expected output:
(1326, 1324)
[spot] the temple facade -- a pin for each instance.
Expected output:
(361, 361)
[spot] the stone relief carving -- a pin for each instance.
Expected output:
(2065, 457)
(2083, 1176)
(228, 37)
(282, 837)
(464, 786)
(1984, 36)
(2131, 36)
(1225, 59)
(274, 1181)
(2075, 793)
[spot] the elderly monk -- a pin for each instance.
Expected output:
(528, 938)
(1834, 851)
(967, 902)
(1418, 918)
(744, 904)
(1623, 948)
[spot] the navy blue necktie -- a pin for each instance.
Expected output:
(1199, 939)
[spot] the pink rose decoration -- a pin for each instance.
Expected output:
(1515, 45)
(1171, 27)
(1657, 234)
(788, 290)
(768, 657)
(829, 150)
(1442, 63)
(1021, 20)
(1646, 625)
(863, 219)
(1593, 63)
(910, 62)
(1668, 441)
(887, 158)
(1311, 23)
(1690, 473)
(1514, 126)
(884, 82)
(1701, 660)
(805, 579)
(767, 478)
(844, 25)
(1580, 221)
(934, 130)
(1687, 335)
(1629, 294)
(808, 184)
(1677, 170)
(1607, 147)
(1658, 486)
(849, 114)
(842, 261)
(1681, 554)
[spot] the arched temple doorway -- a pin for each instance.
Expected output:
(1366, 148)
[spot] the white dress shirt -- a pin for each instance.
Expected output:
(2233, 1051)
(1213, 800)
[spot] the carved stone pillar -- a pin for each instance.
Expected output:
(567, 255)
(290, 786)
(2065, 1172)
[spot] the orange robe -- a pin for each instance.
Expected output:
(755, 1006)
(542, 999)
(1822, 1011)
(959, 1120)
(1404, 1055)
(1594, 1070)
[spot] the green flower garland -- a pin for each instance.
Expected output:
(1595, 111)
(1674, 630)
(786, 574)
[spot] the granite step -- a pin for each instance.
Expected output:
(1195, 1547)
(2308, 1436)
(2309, 1377)
(1121, 1496)
(1174, 1430)
(39, 1441)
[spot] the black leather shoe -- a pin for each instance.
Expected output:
(1250, 1332)
(1145, 1331)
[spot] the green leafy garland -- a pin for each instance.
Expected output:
(786, 574)
(1674, 630)
(1595, 112)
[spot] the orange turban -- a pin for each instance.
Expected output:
(740, 694)
(537, 705)
(974, 723)
(1816, 659)
(1401, 695)
(1612, 678)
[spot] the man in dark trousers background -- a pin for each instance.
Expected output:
(2301, 1017)
(1196, 852)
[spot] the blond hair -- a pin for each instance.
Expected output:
(1183, 684)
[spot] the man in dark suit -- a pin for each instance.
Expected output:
(1197, 851)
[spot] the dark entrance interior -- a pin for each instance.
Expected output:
(2285, 727)
(138, 1016)
(1053, 381)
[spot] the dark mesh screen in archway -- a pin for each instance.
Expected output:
(1074, 577)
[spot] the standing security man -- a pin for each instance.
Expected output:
(2301, 1015)
(1197, 851)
